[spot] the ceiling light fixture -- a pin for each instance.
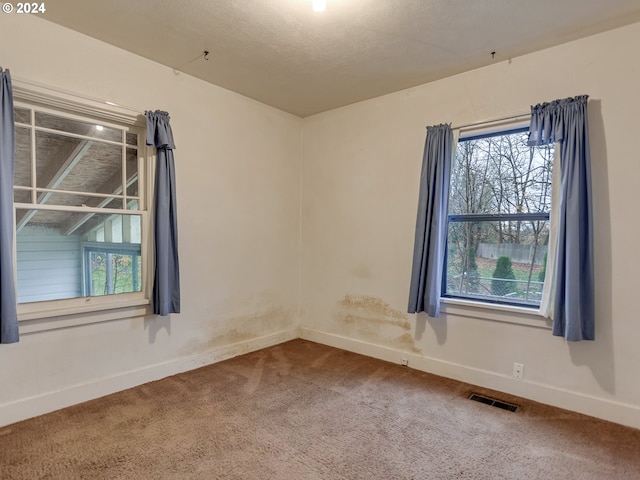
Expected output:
(319, 5)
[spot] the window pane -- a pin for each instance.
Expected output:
(498, 260)
(53, 253)
(63, 124)
(22, 115)
(21, 196)
(501, 174)
(66, 163)
(98, 170)
(484, 262)
(115, 203)
(22, 175)
(55, 157)
(80, 163)
(111, 271)
(132, 138)
(132, 173)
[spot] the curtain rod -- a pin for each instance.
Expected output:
(494, 120)
(77, 95)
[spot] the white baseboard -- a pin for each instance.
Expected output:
(50, 401)
(624, 414)
(606, 409)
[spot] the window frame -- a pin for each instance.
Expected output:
(109, 248)
(490, 308)
(35, 316)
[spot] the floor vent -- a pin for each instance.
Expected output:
(493, 402)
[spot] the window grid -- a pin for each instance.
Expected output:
(498, 220)
(35, 190)
(109, 198)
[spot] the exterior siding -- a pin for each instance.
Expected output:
(49, 265)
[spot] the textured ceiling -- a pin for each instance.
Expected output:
(282, 53)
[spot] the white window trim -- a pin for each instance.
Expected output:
(476, 309)
(54, 314)
(85, 315)
(494, 312)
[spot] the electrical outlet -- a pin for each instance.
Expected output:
(404, 362)
(518, 370)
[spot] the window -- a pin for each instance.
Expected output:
(80, 206)
(113, 267)
(498, 219)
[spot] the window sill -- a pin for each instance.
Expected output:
(32, 319)
(494, 312)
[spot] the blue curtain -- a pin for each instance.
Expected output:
(166, 281)
(431, 224)
(565, 122)
(8, 306)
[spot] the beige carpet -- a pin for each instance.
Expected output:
(306, 411)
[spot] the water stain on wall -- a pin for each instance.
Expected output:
(229, 338)
(373, 306)
(407, 342)
(362, 271)
(359, 319)
(242, 328)
(371, 319)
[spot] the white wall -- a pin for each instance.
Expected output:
(238, 177)
(360, 189)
